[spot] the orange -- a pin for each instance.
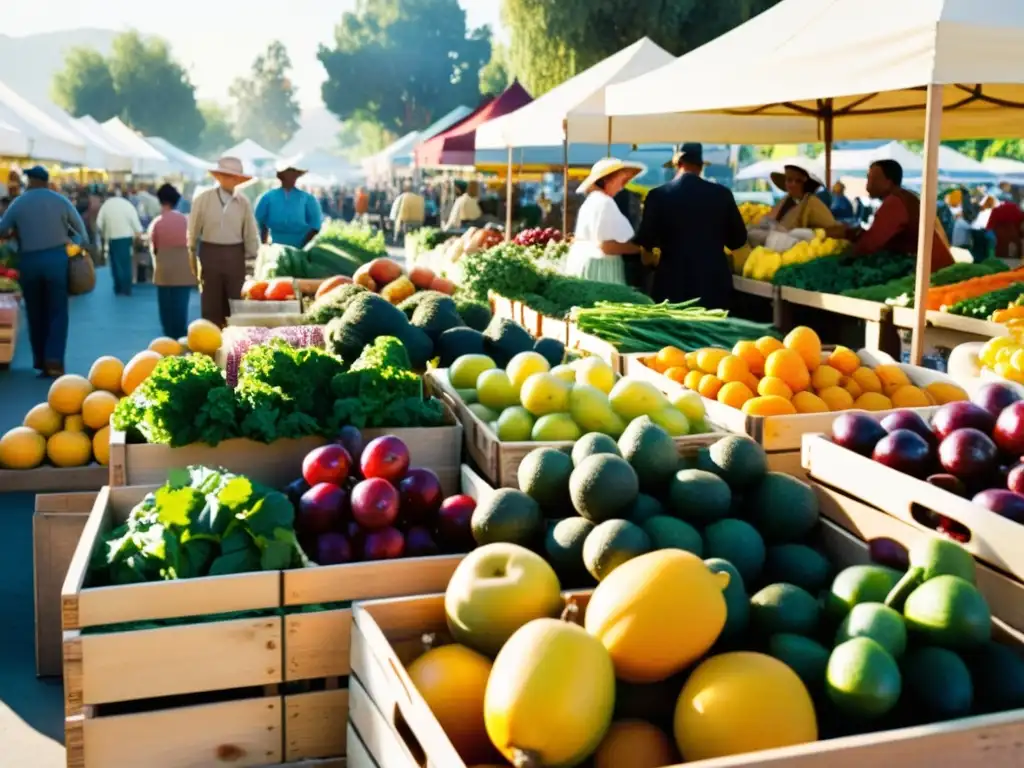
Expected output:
(837, 398)
(770, 385)
(873, 401)
(767, 344)
(733, 368)
(909, 396)
(844, 360)
(692, 379)
(734, 394)
(892, 378)
(669, 357)
(851, 386)
(691, 360)
(788, 365)
(751, 381)
(709, 358)
(826, 376)
(768, 406)
(751, 355)
(709, 386)
(676, 374)
(806, 402)
(805, 341)
(867, 380)
(945, 393)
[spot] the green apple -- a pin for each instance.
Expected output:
(466, 369)
(524, 365)
(495, 390)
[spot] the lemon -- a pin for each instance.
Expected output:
(495, 390)
(543, 393)
(524, 365)
(595, 372)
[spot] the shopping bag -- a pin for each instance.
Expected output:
(81, 274)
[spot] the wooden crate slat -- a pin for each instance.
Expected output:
(314, 724)
(384, 745)
(754, 287)
(359, 581)
(317, 644)
(358, 756)
(872, 311)
(53, 479)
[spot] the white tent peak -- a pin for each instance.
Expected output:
(250, 151)
(47, 138)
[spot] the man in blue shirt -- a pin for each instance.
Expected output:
(44, 222)
(288, 215)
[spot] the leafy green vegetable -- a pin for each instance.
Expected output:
(900, 292)
(984, 305)
(835, 274)
(363, 242)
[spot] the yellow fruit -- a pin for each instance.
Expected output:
(43, 419)
(68, 393)
(690, 405)
(543, 393)
(657, 614)
(709, 358)
(768, 344)
(837, 398)
(69, 449)
(867, 380)
(166, 346)
(844, 360)
(453, 680)
(692, 379)
(494, 389)
(946, 393)
(732, 368)
(1017, 360)
(873, 401)
(22, 448)
(467, 369)
(565, 372)
(826, 376)
(788, 365)
(751, 356)
(101, 446)
(770, 385)
(632, 398)
(691, 360)
(805, 402)
(74, 423)
(743, 702)
(551, 693)
(595, 372)
(138, 369)
(852, 387)
(734, 394)
(204, 337)
(676, 374)
(592, 411)
(105, 373)
(524, 365)
(768, 405)
(909, 396)
(892, 377)
(709, 386)
(97, 408)
(806, 343)
(988, 352)
(635, 743)
(669, 357)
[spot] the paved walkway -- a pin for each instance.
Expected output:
(31, 711)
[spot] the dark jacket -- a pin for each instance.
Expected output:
(692, 221)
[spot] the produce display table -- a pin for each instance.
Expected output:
(9, 315)
(946, 330)
(46, 479)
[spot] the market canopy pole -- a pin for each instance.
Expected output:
(830, 126)
(926, 220)
(508, 199)
(565, 178)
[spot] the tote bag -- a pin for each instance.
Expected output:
(81, 274)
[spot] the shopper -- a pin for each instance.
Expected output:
(288, 215)
(172, 275)
(118, 225)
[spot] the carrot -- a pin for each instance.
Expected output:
(948, 295)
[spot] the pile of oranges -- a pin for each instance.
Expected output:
(768, 377)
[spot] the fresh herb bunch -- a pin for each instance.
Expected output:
(506, 269)
(363, 242)
(983, 306)
(900, 292)
(558, 294)
(304, 374)
(835, 274)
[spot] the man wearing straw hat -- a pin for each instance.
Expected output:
(222, 234)
(288, 215)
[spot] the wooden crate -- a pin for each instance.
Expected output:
(57, 525)
(994, 539)
(277, 464)
(584, 342)
(249, 307)
(499, 461)
(387, 636)
(47, 479)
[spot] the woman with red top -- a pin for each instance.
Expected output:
(172, 272)
(1005, 222)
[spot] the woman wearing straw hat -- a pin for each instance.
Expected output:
(801, 208)
(603, 233)
(288, 215)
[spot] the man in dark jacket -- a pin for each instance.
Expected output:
(691, 222)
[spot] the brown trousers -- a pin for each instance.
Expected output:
(221, 275)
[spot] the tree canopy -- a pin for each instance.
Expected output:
(403, 63)
(85, 86)
(218, 130)
(267, 110)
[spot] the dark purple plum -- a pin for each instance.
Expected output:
(327, 464)
(890, 552)
(420, 495)
(454, 532)
(332, 548)
(321, 509)
(295, 489)
(913, 422)
(419, 542)
(961, 415)
(1009, 431)
(970, 455)
(904, 451)
(383, 544)
(1004, 503)
(375, 503)
(1015, 479)
(351, 439)
(857, 432)
(994, 397)
(949, 483)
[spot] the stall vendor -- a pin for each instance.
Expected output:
(466, 210)
(801, 208)
(895, 226)
(1006, 222)
(288, 215)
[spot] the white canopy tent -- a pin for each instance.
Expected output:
(146, 160)
(47, 138)
(1006, 168)
(13, 143)
(763, 169)
(187, 165)
(324, 168)
(963, 169)
(101, 152)
(255, 158)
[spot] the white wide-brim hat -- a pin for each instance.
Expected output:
(779, 177)
(606, 167)
(230, 166)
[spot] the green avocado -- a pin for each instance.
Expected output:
(798, 564)
(806, 657)
(611, 544)
(739, 461)
(603, 487)
(949, 612)
(651, 451)
(543, 475)
(784, 608)
(670, 533)
(879, 622)
(938, 682)
(738, 542)
(699, 497)
(737, 602)
(859, 584)
(507, 515)
(782, 508)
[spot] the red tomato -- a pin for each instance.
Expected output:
(280, 290)
(255, 290)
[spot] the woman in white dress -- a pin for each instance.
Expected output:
(603, 233)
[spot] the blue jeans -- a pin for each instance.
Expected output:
(172, 303)
(44, 286)
(121, 264)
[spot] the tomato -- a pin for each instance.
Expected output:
(331, 283)
(280, 290)
(255, 290)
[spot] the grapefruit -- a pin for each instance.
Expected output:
(165, 346)
(105, 373)
(22, 448)
(69, 449)
(43, 419)
(101, 446)
(68, 393)
(138, 369)
(203, 337)
(97, 408)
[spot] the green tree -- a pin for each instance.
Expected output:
(360, 138)
(85, 85)
(267, 110)
(1012, 148)
(403, 63)
(218, 130)
(552, 40)
(495, 76)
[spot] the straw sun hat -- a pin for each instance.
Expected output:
(230, 166)
(779, 177)
(606, 167)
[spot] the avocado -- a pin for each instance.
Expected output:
(603, 487)
(644, 508)
(543, 475)
(670, 533)
(507, 515)
(611, 544)
(651, 451)
(782, 508)
(784, 608)
(949, 612)
(436, 315)
(592, 444)
(504, 339)
(998, 675)
(551, 349)
(738, 542)
(456, 342)
(859, 584)
(418, 345)
(879, 622)
(699, 497)
(798, 564)
(474, 314)
(738, 460)
(938, 682)
(563, 546)
(862, 680)
(737, 602)
(806, 657)
(409, 305)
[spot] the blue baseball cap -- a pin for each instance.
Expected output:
(38, 172)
